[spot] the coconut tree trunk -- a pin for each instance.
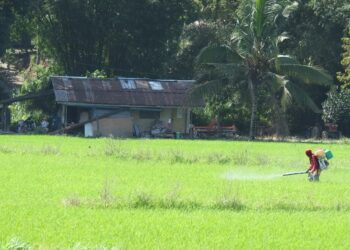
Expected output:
(282, 129)
(279, 118)
(283, 125)
(253, 108)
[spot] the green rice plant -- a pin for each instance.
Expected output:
(142, 155)
(255, 207)
(262, 160)
(177, 156)
(5, 150)
(142, 199)
(296, 206)
(241, 158)
(113, 147)
(16, 244)
(229, 201)
(49, 150)
(92, 153)
(193, 159)
(79, 246)
(72, 201)
(218, 158)
(106, 196)
(172, 198)
(341, 205)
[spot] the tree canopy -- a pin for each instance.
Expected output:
(258, 52)
(251, 59)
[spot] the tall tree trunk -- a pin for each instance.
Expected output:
(282, 125)
(253, 108)
(279, 118)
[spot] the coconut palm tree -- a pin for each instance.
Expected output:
(251, 59)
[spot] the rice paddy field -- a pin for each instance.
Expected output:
(76, 193)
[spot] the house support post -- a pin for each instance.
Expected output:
(64, 116)
(188, 120)
(4, 118)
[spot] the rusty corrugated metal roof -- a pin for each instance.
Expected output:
(132, 92)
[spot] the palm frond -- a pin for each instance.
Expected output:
(218, 54)
(306, 73)
(301, 97)
(275, 81)
(227, 70)
(278, 83)
(207, 88)
(290, 9)
(259, 18)
(272, 10)
(210, 71)
(281, 38)
(286, 98)
(284, 59)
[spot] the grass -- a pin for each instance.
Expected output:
(75, 193)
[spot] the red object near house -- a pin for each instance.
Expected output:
(331, 131)
(213, 129)
(332, 127)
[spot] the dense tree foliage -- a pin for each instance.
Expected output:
(213, 25)
(344, 75)
(161, 39)
(315, 30)
(336, 107)
(6, 18)
(133, 37)
(250, 60)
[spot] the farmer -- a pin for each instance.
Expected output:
(314, 170)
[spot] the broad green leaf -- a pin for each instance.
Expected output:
(301, 97)
(218, 54)
(306, 73)
(285, 59)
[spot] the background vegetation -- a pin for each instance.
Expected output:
(161, 39)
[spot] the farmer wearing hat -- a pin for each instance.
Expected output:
(318, 162)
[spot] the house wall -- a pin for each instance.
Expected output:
(118, 127)
(143, 124)
(121, 125)
(178, 120)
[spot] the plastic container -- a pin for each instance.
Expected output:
(177, 135)
(320, 153)
(329, 154)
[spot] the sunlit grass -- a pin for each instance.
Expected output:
(62, 192)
